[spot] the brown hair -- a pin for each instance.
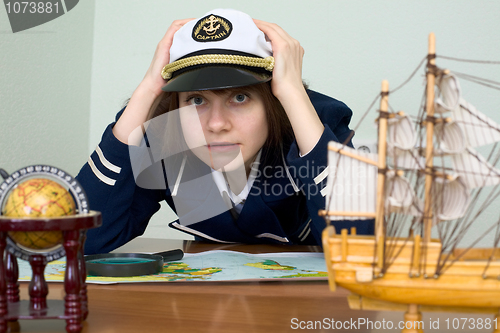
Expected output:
(279, 128)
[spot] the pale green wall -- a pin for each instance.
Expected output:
(61, 83)
(45, 91)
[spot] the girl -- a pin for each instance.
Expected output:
(244, 157)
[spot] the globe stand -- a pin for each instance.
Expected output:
(74, 307)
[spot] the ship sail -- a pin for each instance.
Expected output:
(450, 138)
(469, 129)
(475, 170)
(352, 186)
(401, 133)
(479, 129)
(400, 196)
(451, 198)
(401, 140)
(351, 183)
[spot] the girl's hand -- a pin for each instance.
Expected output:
(288, 88)
(288, 55)
(153, 80)
(149, 89)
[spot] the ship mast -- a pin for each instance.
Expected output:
(429, 108)
(382, 149)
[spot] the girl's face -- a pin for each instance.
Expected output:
(232, 121)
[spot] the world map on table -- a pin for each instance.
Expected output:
(211, 266)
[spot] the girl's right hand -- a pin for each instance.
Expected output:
(148, 91)
(153, 80)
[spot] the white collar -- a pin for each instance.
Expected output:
(221, 183)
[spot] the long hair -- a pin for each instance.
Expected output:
(280, 133)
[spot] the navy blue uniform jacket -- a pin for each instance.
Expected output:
(282, 206)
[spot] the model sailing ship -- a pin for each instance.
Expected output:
(426, 188)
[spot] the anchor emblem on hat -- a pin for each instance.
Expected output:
(210, 30)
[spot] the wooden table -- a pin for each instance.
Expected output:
(228, 307)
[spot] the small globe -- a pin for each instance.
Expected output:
(38, 197)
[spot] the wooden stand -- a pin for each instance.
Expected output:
(74, 307)
(413, 319)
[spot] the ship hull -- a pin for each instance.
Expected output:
(352, 264)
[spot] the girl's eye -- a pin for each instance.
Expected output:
(196, 100)
(240, 98)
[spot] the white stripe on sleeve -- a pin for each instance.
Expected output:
(99, 174)
(105, 162)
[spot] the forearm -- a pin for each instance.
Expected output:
(287, 86)
(144, 96)
(134, 115)
(304, 119)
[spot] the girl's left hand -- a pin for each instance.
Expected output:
(288, 88)
(288, 55)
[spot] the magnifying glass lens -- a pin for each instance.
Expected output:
(119, 261)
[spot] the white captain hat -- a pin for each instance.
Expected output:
(223, 49)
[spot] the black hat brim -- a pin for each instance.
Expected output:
(215, 77)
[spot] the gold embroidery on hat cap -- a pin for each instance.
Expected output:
(212, 28)
(226, 59)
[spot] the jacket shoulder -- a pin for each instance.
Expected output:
(332, 112)
(324, 103)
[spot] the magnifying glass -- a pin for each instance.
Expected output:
(129, 264)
